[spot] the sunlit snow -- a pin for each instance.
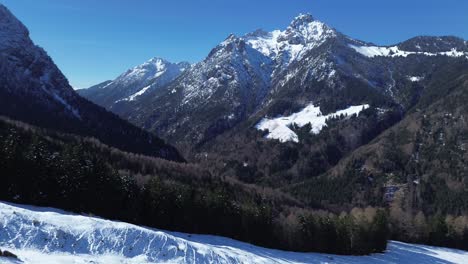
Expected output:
(303, 34)
(151, 69)
(395, 51)
(135, 95)
(415, 78)
(279, 128)
(45, 235)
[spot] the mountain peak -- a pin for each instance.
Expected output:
(232, 37)
(257, 33)
(162, 64)
(12, 31)
(158, 60)
(302, 19)
(159, 64)
(232, 42)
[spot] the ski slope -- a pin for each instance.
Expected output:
(46, 235)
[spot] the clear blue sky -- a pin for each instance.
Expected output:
(95, 40)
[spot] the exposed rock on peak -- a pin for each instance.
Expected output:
(302, 19)
(12, 32)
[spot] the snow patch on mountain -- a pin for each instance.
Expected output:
(46, 235)
(279, 128)
(135, 95)
(415, 78)
(395, 51)
(107, 85)
(70, 108)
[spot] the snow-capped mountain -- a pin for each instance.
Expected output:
(47, 235)
(218, 92)
(32, 89)
(141, 79)
(303, 34)
(269, 74)
(230, 84)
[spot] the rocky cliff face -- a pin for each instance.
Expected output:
(33, 89)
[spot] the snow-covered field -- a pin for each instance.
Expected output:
(278, 127)
(46, 235)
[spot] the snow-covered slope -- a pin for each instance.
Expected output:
(278, 128)
(46, 235)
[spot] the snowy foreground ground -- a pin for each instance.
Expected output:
(46, 235)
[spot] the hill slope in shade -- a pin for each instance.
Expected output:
(34, 90)
(33, 233)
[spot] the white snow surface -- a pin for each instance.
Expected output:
(415, 78)
(135, 95)
(46, 235)
(279, 128)
(395, 51)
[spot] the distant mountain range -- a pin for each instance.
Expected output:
(311, 108)
(266, 74)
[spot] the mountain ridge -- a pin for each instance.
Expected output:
(136, 81)
(306, 48)
(34, 90)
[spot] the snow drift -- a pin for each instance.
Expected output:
(46, 235)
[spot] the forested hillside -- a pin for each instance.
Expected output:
(83, 175)
(418, 168)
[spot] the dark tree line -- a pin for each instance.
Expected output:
(84, 176)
